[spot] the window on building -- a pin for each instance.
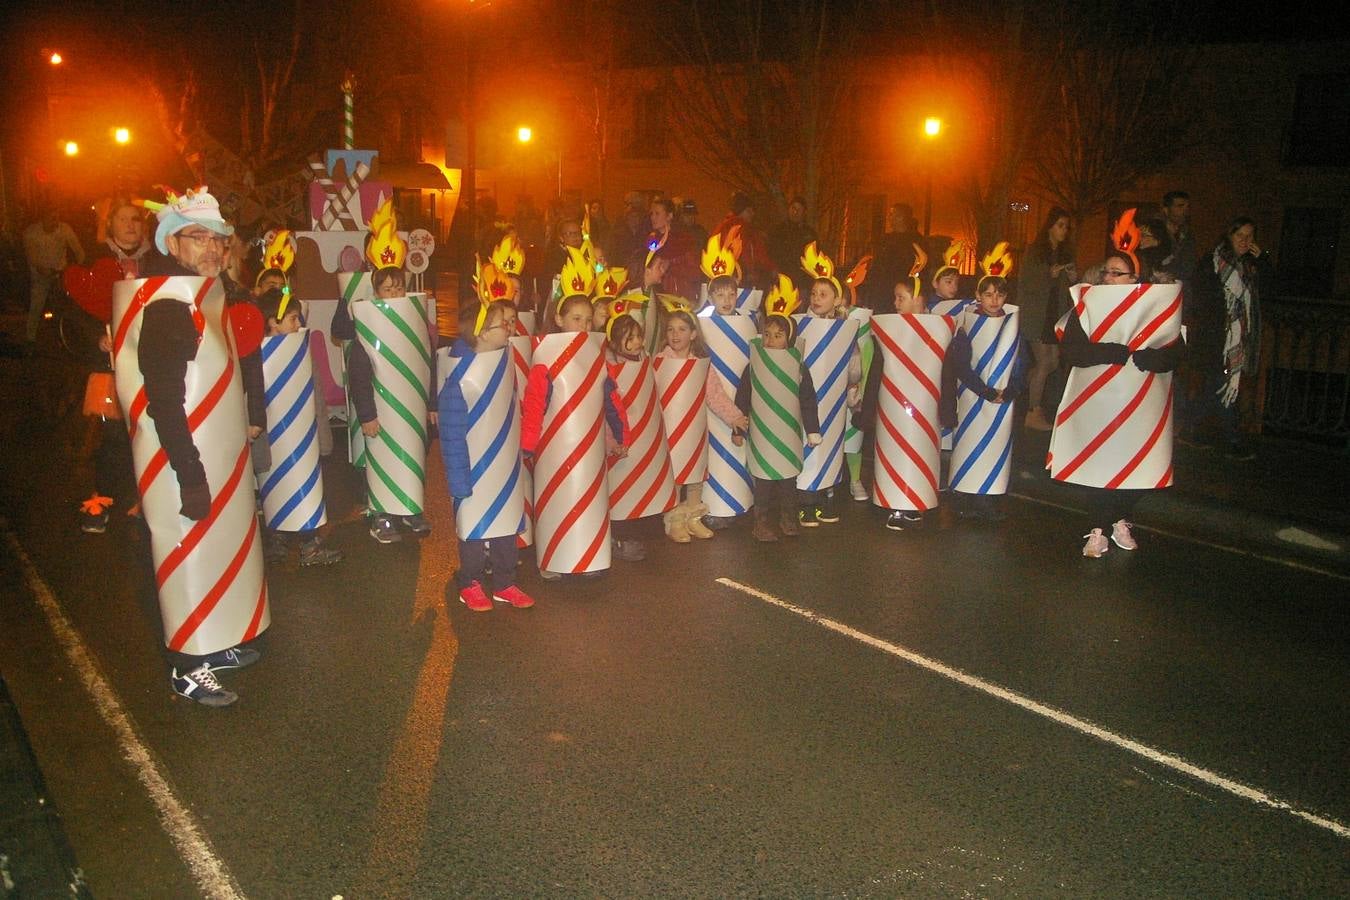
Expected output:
(1319, 129)
(1308, 239)
(646, 138)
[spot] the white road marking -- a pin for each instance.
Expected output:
(210, 873)
(1082, 726)
(1290, 563)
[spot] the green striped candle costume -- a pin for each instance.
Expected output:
(394, 334)
(775, 412)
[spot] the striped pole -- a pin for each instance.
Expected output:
(640, 482)
(1114, 426)
(983, 440)
(731, 491)
(209, 573)
(394, 334)
(853, 436)
(348, 114)
(355, 287)
(775, 412)
(827, 345)
(292, 490)
(680, 387)
(496, 506)
(906, 466)
(571, 499)
(339, 203)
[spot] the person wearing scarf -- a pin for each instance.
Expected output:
(1229, 281)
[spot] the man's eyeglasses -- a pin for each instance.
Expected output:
(1116, 273)
(202, 239)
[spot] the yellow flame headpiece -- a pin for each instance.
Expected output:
(577, 277)
(630, 304)
(951, 260)
(920, 262)
(508, 256)
(998, 262)
(783, 298)
(385, 249)
(819, 266)
(608, 283)
(719, 256)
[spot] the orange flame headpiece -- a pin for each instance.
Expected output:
(1125, 237)
(385, 249)
(856, 277)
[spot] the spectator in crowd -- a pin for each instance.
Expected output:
(894, 256)
(1176, 210)
(1156, 259)
(687, 211)
(788, 238)
(48, 245)
(628, 234)
(757, 268)
(673, 247)
(1042, 295)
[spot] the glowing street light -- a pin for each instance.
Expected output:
(56, 58)
(524, 134)
(932, 126)
(72, 148)
(122, 135)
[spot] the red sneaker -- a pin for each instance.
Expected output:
(474, 598)
(515, 596)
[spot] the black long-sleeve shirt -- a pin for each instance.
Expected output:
(806, 399)
(1079, 352)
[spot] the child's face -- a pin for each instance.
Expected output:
(947, 285)
(267, 282)
(823, 299)
(599, 316)
(905, 301)
(775, 338)
(632, 345)
(289, 323)
(496, 331)
(574, 317)
(679, 336)
(991, 300)
(391, 288)
(724, 300)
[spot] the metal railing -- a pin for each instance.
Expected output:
(1304, 376)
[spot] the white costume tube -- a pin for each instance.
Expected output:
(983, 440)
(209, 574)
(525, 322)
(1114, 427)
(292, 490)
(640, 482)
(731, 491)
(680, 387)
(907, 458)
(571, 500)
(496, 506)
(775, 412)
(853, 436)
(522, 353)
(827, 346)
(394, 335)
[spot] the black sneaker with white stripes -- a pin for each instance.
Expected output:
(201, 686)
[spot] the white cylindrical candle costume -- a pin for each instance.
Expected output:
(209, 573)
(394, 335)
(748, 301)
(355, 286)
(731, 490)
(571, 498)
(496, 508)
(640, 482)
(906, 468)
(680, 387)
(292, 490)
(826, 346)
(983, 439)
(775, 412)
(1114, 427)
(525, 321)
(853, 436)
(522, 353)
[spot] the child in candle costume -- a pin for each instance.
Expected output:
(727, 334)
(779, 399)
(984, 374)
(396, 484)
(1113, 433)
(479, 426)
(175, 361)
(292, 488)
(684, 381)
(828, 341)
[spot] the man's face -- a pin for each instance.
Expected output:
(571, 234)
(796, 213)
(1177, 211)
(127, 227)
(198, 249)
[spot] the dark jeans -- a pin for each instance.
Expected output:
(782, 494)
(1106, 507)
(474, 557)
(113, 473)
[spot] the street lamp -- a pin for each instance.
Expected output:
(524, 134)
(122, 135)
(55, 58)
(932, 127)
(72, 148)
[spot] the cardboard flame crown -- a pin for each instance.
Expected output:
(1125, 237)
(783, 298)
(719, 259)
(856, 276)
(386, 249)
(819, 266)
(508, 256)
(630, 304)
(920, 262)
(577, 277)
(998, 262)
(608, 283)
(279, 252)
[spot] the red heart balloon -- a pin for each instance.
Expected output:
(92, 287)
(246, 322)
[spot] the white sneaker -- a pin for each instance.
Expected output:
(1096, 545)
(857, 490)
(1122, 537)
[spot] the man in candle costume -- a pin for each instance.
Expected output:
(176, 344)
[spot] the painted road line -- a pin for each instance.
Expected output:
(1082, 726)
(1289, 563)
(210, 873)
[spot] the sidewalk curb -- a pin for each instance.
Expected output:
(1192, 516)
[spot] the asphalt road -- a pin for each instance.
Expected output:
(657, 732)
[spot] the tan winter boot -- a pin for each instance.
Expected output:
(695, 521)
(676, 522)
